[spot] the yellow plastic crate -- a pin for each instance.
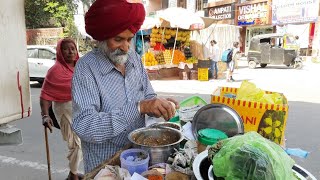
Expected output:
(203, 74)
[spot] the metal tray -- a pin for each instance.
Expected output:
(217, 116)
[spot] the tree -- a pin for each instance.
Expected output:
(59, 12)
(54, 13)
(49, 13)
(36, 17)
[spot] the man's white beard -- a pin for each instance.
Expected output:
(117, 57)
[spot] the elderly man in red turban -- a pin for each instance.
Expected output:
(111, 91)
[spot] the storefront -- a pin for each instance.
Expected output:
(255, 18)
(299, 18)
(224, 31)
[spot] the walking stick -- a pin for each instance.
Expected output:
(48, 153)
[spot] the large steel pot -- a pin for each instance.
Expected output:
(158, 153)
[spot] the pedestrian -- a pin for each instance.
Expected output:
(231, 64)
(214, 57)
(110, 89)
(56, 92)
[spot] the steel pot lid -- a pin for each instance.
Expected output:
(217, 116)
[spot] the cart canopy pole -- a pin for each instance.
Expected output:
(174, 46)
(144, 57)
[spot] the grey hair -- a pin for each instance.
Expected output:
(117, 56)
(102, 45)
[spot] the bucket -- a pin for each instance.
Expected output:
(135, 160)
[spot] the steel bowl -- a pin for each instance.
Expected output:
(201, 165)
(158, 153)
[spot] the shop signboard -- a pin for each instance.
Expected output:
(253, 14)
(298, 11)
(222, 12)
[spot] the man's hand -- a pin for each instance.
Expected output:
(158, 107)
(47, 122)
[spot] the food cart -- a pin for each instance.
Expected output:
(202, 168)
(222, 117)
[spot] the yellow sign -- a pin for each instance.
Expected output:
(269, 120)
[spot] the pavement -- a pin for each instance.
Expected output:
(263, 80)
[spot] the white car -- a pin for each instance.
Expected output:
(40, 58)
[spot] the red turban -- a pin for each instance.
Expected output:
(108, 18)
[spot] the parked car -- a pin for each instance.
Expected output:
(40, 58)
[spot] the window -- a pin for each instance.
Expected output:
(265, 40)
(32, 53)
(45, 54)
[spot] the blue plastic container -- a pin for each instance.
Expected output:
(132, 166)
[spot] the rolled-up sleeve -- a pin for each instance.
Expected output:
(89, 123)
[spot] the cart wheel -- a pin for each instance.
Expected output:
(252, 64)
(298, 65)
(263, 65)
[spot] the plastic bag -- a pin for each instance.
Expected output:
(113, 173)
(186, 114)
(249, 92)
(183, 159)
(250, 157)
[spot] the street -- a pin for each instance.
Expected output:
(301, 87)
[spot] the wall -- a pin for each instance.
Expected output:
(14, 79)
(45, 36)
(152, 6)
